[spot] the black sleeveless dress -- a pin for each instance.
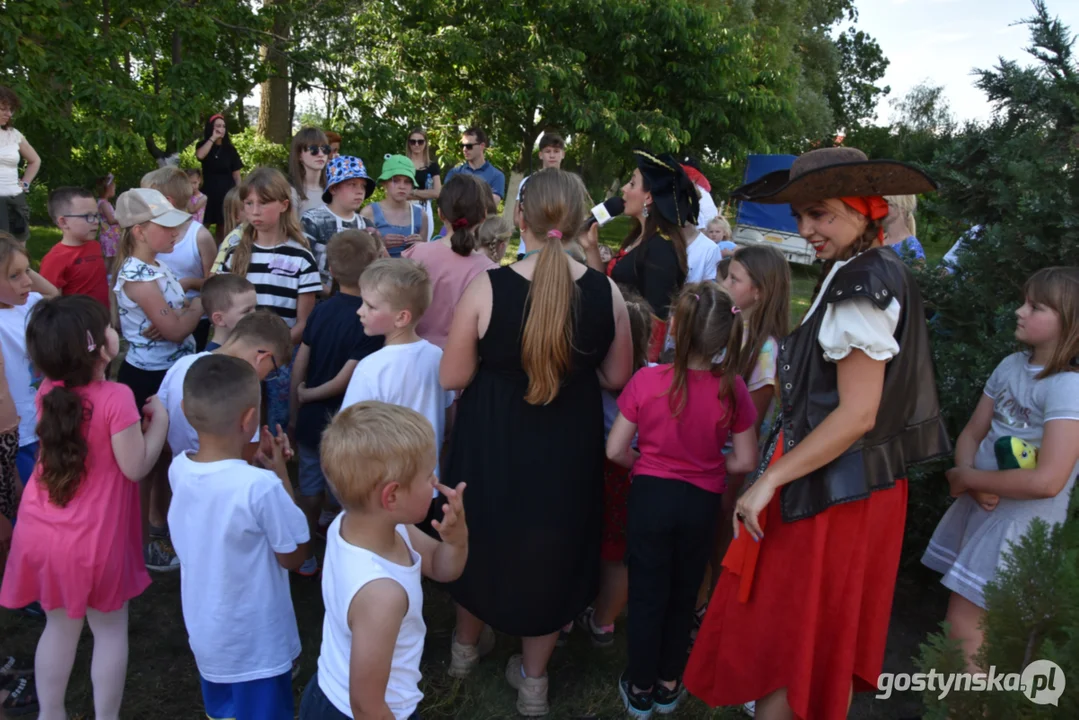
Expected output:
(534, 501)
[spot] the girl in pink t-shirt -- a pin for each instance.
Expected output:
(682, 414)
(77, 543)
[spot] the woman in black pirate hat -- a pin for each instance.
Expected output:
(661, 199)
(799, 618)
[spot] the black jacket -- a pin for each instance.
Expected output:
(908, 427)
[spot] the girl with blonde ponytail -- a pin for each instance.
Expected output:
(532, 344)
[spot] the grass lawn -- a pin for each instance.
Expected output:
(163, 683)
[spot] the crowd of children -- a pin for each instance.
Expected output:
(394, 372)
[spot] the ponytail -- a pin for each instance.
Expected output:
(464, 240)
(63, 447)
(551, 206)
(548, 331)
(462, 206)
(707, 325)
(64, 338)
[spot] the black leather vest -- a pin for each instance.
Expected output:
(908, 428)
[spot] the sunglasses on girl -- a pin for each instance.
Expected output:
(316, 149)
(416, 141)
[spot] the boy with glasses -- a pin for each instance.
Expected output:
(473, 147)
(76, 264)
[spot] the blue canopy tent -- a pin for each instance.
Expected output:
(757, 223)
(773, 217)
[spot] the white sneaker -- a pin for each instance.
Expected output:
(463, 658)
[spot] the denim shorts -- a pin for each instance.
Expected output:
(316, 706)
(312, 481)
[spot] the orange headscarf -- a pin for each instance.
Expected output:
(873, 207)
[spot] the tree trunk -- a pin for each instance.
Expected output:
(274, 122)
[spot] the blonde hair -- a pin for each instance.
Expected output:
(232, 208)
(271, 186)
(720, 222)
(906, 205)
(171, 182)
(551, 201)
(296, 170)
(1058, 288)
(492, 232)
(370, 444)
(403, 282)
(9, 246)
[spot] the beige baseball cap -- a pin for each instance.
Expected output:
(140, 205)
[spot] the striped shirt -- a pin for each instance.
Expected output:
(280, 275)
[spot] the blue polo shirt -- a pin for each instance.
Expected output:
(487, 172)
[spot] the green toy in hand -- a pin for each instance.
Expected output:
(1015, 454)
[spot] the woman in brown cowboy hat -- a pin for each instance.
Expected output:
(799, 619)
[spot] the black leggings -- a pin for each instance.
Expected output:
(670, 529)
(144, 383)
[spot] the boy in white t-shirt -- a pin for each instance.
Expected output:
(396, 293)
(237, 530)
(261, 339)
(380, 461)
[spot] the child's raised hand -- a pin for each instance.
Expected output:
(452, 528)
(153, 408)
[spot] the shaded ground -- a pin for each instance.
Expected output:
(162, 681)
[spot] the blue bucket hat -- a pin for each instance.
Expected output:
(345, 167)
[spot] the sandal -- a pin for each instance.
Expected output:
(21, 699)
(10, 667)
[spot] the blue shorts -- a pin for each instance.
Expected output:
(266, 699)
(312, 481)
(25, 461)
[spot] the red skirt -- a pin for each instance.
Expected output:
(816, 597)
(615, 499)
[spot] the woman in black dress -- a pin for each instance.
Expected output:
(661, 199)
(221, 167)
(532, 344)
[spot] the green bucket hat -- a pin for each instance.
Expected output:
(398, 165)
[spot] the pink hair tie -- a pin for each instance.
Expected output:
(735, 309)
(556, 233)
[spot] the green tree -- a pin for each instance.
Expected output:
(102, 81)
(662, 73)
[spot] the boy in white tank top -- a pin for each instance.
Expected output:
(380, 461)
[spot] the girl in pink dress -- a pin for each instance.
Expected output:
(77, 543)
